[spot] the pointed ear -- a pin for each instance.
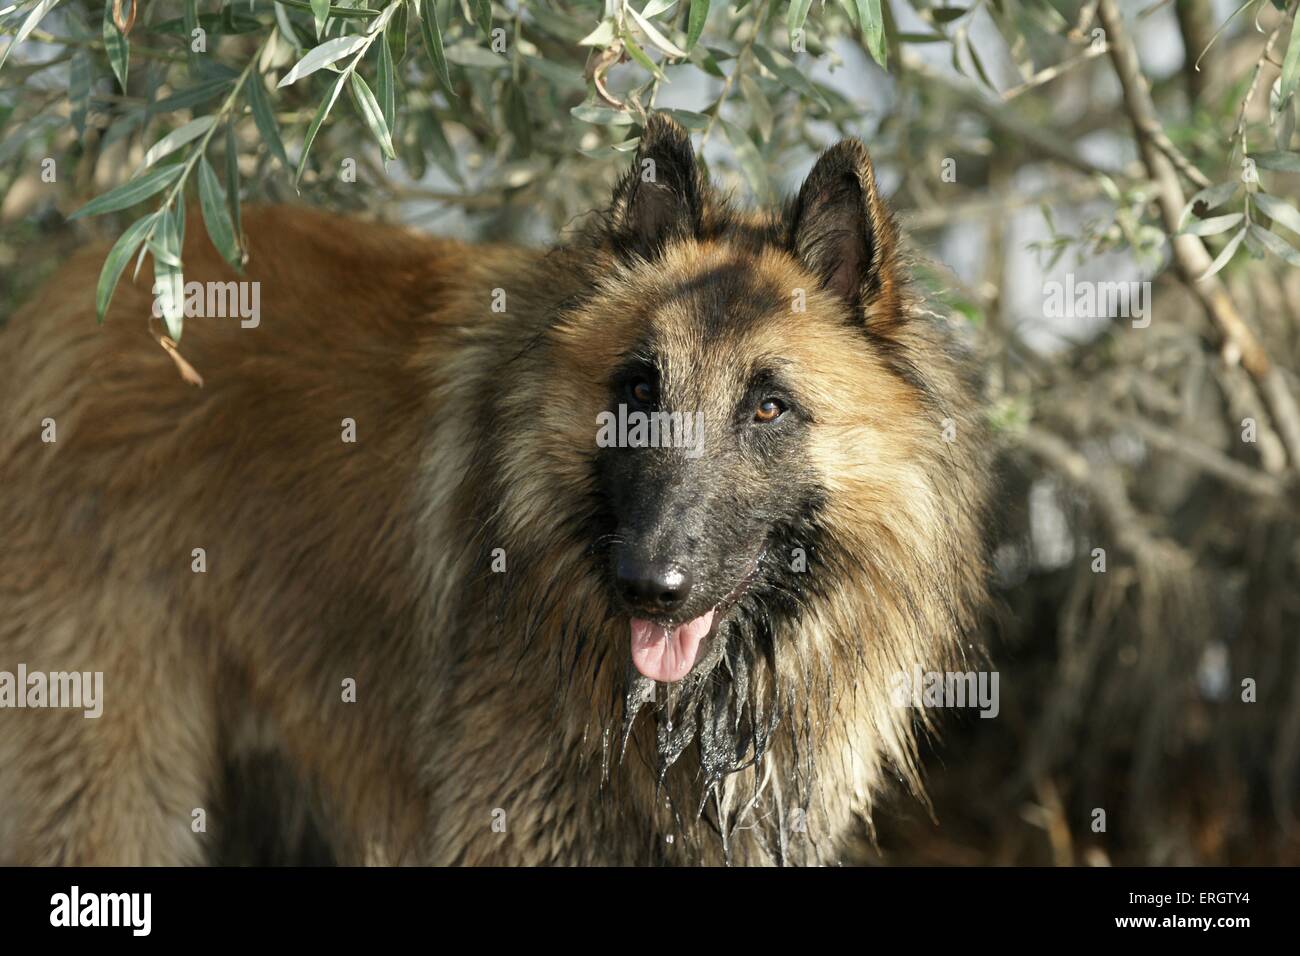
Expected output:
(659, 198)
(840, 229)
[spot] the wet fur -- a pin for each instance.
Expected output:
(477, 691)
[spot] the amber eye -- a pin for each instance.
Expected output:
(769, 410)
(642, 392)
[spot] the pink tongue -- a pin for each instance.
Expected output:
(667, 654)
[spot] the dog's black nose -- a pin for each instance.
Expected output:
(659, 587)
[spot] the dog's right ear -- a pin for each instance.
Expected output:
(842, 231)
(659, 199)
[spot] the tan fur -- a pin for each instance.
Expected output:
(328, 560)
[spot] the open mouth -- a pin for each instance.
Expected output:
(667, 652)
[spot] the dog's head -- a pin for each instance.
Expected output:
(729, 450)
(743, 373)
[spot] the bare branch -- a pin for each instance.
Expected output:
(1190, 254)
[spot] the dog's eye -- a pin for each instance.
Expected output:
(641, 391)
(769, 410)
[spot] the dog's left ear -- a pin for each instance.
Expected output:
(660, 198)
(841, 230)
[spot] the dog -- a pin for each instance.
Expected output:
(600, 554)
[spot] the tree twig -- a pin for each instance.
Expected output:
(1190, 254)
(1052, 72)
(1239, 132)
(1000, 116)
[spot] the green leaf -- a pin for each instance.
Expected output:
(321, 56)
(373, 114)
(191, 18)
(1279, 160)
(169, 283)
(320, 12)
(1291, 65)
(1283, 122)
(396, 34)
(564, 78)
(1275, 244)
(123, 126)
(380, 23)
(558, 24)
(432, 35)
(212, 201)
(977, 63)
(285, 26)
(117, 47)
(515, 106)
(696, 122)
(1211, 197)
(640, 56)
(118, 257)
(602, 36)
(656, 39)
(873, 29)
(1256, 248)
(265, 119)
(1225, 255)
(387, 86)
(795, 17)
(232, 184)
(602, 115)
(604, 152)
(483, 15)
(750, 160)
(178, 138)
(31, 23)
(192, 97)
(1212, 226)
(759, 108)
(948, 14)
(162, 253)
(440, 149)
(469, 53)
(706, 61)
(786, 72)
(322, 111)
(79, 90)
(351, 11)
(1278, 211)
(1017, 43)
(130, 193)
(1047, 19)
(695, 22)
(412, 149)
(656, 7)
(216, 24)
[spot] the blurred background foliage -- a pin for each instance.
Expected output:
(1023, 142)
